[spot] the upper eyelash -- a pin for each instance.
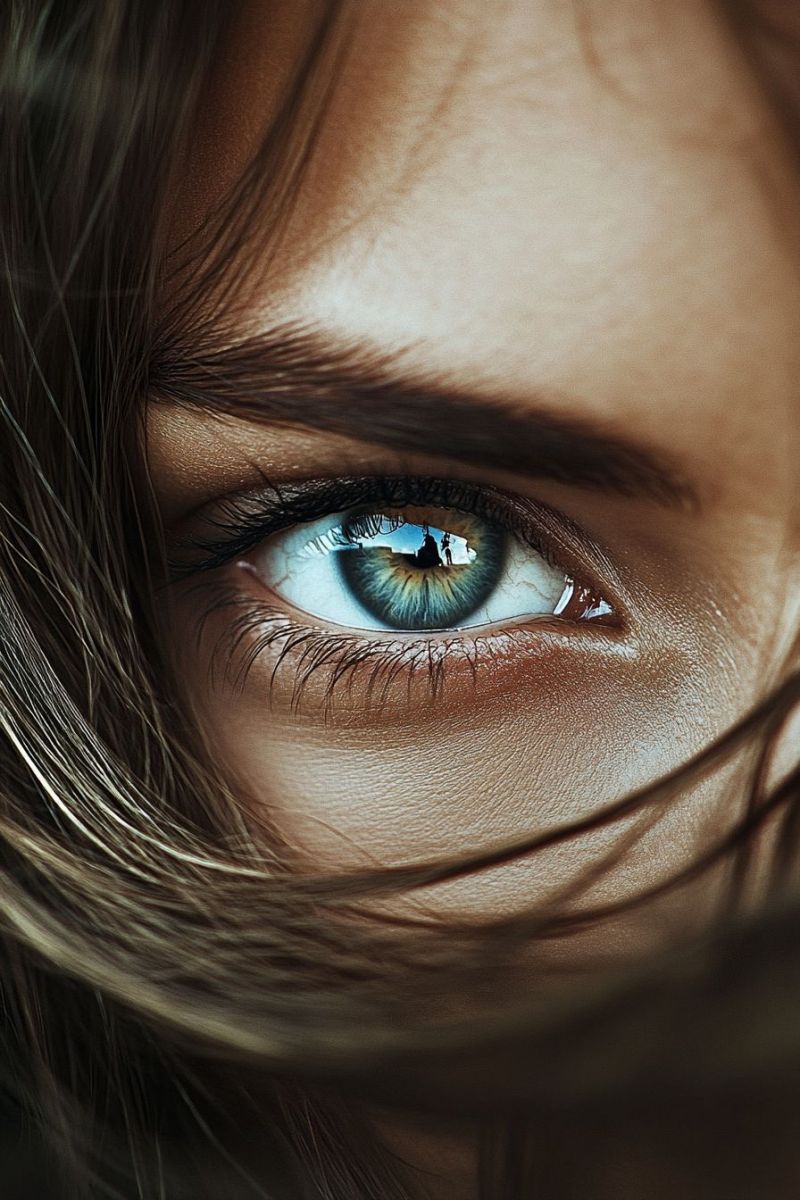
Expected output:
(245, 521)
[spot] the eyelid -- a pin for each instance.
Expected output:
(244, 520)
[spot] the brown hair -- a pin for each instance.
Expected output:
(161, 968)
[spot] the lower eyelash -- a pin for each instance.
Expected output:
(259, 628)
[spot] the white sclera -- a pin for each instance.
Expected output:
(300, 566)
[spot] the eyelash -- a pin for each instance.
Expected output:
(247, 520)
(242, 522)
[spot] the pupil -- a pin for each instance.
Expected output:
(418, 576)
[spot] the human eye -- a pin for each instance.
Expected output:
(370, 569)
(416, 569)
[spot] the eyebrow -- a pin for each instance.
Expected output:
(293, 376)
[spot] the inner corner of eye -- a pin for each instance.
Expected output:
(581, 602)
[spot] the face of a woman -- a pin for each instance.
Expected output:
(562, 233)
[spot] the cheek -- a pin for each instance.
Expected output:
(563, 738)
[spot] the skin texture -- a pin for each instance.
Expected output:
(573, 210)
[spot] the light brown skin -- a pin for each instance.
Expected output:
(597, 213)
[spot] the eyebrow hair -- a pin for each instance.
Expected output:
(294, 376)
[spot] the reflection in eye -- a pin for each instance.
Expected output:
(412, 570)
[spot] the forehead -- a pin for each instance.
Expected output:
(572, 198)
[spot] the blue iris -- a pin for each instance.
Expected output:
(437, 585)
